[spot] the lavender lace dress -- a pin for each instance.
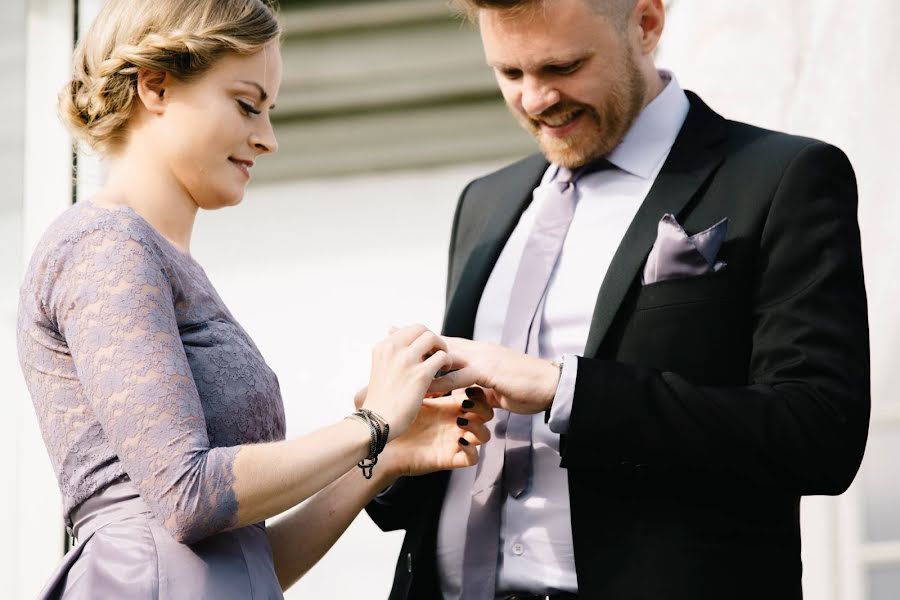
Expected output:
(144, 386)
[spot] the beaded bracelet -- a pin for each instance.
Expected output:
(379, 431)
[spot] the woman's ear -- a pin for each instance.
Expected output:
(151, 89)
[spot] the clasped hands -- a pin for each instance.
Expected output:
(438, 422)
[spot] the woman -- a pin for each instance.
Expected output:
(164, 424)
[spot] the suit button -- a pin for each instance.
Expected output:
(518, 549)
(409, 562)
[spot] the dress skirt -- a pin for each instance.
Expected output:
(124, 552)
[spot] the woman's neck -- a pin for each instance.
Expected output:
(151, 190)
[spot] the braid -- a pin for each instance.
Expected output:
(97, 103)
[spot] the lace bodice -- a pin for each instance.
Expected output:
(136, 368)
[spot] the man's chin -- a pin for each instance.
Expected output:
(570, 157)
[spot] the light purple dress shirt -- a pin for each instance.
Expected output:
(536, 531)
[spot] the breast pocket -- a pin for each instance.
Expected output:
(699, 289)
(696, 327)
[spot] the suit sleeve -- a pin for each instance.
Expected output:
(800, 423)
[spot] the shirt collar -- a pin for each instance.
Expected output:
(653, 133)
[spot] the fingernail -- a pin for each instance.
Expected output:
(463, 442)
(462, 422)
(474, 392)
(467, 404)
(447, 394)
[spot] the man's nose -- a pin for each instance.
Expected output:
(537, 97)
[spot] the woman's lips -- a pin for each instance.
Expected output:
(243, 166)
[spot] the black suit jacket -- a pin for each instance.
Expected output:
(704, 407)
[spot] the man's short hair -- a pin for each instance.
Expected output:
(617, 11)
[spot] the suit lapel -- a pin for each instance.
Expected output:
(499, 208)
(694, 156)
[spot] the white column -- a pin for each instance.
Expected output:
(37, 531)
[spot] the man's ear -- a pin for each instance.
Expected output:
(651, 16)
(151, 88)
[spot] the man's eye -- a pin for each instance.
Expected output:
(511, 73)
(566, 69)
(248, 109)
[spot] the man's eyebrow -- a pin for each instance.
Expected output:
(262, 92)
(549, 62)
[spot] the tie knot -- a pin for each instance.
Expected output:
(566, 176)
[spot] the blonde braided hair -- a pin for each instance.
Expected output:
(181, 37)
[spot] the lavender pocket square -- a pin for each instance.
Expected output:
(676, 255)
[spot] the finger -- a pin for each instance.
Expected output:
(478, 433)
(463, 378)
(360, 397)
(466, 457)
(449, 402)
(476, 405)
(436, 362)
(467, 439)
(404, 336)
(426, 344)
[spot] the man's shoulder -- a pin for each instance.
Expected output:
(760, 139)
(747, 141)
(766, 156)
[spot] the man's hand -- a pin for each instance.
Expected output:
(516, 382)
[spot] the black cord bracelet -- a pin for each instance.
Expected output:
(379, 431)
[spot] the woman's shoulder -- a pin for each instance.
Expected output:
(87, 227)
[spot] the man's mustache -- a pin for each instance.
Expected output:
(558, 114)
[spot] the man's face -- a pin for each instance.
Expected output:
(568, 76)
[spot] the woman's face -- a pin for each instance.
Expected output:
(214, 128)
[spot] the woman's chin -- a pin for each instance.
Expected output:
(223, 200)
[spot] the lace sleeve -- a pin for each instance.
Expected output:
(113, 302)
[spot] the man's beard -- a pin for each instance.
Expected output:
(607, 124)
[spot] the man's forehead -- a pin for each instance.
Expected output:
(536, 45)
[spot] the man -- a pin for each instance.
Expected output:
(705, 297)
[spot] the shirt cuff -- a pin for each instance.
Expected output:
(561, 410)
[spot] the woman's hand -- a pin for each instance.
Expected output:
(444, 435)
(403, 366)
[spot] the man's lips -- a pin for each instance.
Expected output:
(561, 127)
(243, 165)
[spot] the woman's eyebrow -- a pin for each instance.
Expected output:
(262, 92)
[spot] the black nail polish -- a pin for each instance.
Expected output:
(474, 392)
(462, 422)
(463, 442)
(468, 404)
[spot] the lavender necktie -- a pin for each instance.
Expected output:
(509, 453)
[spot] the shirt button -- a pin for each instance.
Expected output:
(518, 549)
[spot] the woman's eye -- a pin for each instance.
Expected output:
(247, 108)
